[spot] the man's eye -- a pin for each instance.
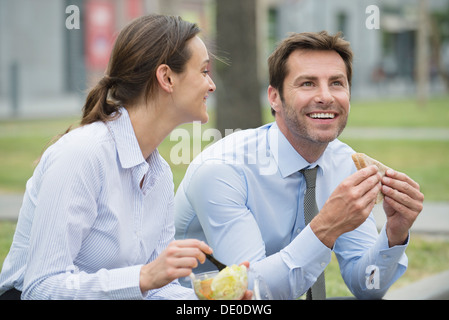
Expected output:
(307, 84)
(337, 83)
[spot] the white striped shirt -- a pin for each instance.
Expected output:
(86, 227)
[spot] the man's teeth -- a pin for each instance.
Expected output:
(322, 115)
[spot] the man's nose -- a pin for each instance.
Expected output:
(324, 96)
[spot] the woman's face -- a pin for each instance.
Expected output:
(193, 85)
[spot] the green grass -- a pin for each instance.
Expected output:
(21, 144)
(7, 229)
(400, 113)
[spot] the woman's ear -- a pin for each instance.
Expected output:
(164, 78)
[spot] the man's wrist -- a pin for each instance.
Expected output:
(396, 240)
(324, 233)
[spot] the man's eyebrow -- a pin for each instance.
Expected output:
(305, 77)
(337, 76)
(314, 78)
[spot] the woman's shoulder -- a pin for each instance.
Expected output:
(86, 144)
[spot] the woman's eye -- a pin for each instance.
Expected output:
(206, 72)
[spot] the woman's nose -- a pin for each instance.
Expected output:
(212, 86)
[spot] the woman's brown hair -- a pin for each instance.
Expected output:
(277, 62)
(142, 46)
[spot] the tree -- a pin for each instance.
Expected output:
(438, 36)
(238, 89)
(422, 55)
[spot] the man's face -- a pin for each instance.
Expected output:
(315, 104)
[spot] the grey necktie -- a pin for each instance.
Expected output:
(318, 289)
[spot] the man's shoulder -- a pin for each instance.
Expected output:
(238, 144)
(338, 154)
(230, 155)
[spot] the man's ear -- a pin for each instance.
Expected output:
(164, 78)
(274, 98)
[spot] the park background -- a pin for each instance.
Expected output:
(399, 105)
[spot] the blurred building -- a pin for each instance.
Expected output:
(46, 64)
(46, 67)
(385, 57)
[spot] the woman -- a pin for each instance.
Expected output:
(97, 216)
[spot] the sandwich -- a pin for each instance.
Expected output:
(361, 161)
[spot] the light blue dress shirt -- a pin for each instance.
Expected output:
(86, 227)
(244, 196)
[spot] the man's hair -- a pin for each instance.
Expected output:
(277, 62)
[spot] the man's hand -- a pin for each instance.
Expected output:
(403, 202)
(349, 205)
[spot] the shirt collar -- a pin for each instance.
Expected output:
(128, 148)
(287, 158)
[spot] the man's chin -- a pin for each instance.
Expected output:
(325, 138)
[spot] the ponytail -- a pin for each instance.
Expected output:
(99, 105)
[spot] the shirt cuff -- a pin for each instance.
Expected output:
(388, 255)
(172, 291)
(125, 283)
(306, 251)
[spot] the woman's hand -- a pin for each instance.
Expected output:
(176, 261)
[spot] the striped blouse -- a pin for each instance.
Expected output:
(86, 227)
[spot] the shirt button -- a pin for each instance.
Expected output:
(298, 231)
(384, 256)
(323, 264)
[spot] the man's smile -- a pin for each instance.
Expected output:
(322, 115)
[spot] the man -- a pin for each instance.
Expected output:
(245, 195)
